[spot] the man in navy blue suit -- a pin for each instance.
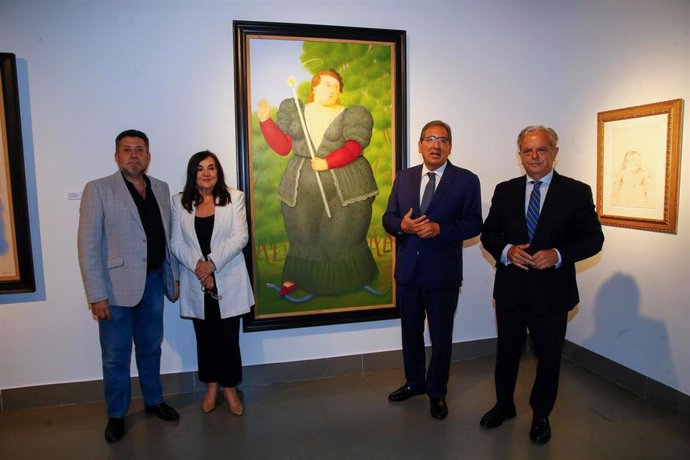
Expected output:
(432, 209)
(538, 226)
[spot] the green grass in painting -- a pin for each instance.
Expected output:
(269, 303)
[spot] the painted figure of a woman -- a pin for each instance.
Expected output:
(327, 255)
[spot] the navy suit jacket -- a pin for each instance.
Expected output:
(434, 263)
(567, 222)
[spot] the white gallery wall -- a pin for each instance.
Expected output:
(90, 69)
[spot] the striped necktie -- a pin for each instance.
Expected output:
(533, 209)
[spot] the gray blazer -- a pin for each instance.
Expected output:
(112, 244)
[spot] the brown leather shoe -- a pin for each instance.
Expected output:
(210, 403)
(232, 397)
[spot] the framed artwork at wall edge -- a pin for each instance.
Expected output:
(16, 260)
(321, 131)
(638, 166)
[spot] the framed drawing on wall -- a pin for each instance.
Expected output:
(16, 261)
(638, 166)
(321, 131)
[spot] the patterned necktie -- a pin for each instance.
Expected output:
(428, 192)
(533, 209)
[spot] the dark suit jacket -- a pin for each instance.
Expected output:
(568, 222)
(434, 263)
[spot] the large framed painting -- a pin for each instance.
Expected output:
(321, 131)
(16, 261)
(638, 166)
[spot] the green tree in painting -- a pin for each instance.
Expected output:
(366, 72)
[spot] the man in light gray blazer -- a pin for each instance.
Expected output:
(127, 266)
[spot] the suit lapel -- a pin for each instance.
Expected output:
(188, 227)
(123, 196)
(158, 194)
(517, 201)
(447, 179)
(552, 196)
(416, 182)
(221, 213)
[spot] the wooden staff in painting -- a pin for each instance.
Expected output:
(291, 83)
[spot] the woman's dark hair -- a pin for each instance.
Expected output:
(190, 195)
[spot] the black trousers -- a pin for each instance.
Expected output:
(416, 303)
(547, 333)
(218, 346)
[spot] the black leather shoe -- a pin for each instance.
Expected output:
(405, 392)
(115, 430)
(439, 408)
(163, 412)
(496, 416)
(540, 433)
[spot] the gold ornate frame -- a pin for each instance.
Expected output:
(638, 165)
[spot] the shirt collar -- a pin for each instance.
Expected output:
(438, 171)
(546, 180)
(147, 181)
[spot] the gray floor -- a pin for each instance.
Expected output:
(350, 418)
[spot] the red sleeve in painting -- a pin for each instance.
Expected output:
(280, 142)
(344, 155)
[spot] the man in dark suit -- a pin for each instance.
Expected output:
(538, 226)
(432, 209)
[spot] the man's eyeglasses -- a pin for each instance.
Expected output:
(432, 139)
(211, 292)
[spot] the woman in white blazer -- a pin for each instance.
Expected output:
(209, 232)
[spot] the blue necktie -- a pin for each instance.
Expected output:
(428, 192)
(533, 209)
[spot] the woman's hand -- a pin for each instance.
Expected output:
(263, 110)
(203, 269)
(208, 283)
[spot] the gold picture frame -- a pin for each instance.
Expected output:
(638, 166)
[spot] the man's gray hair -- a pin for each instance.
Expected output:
(553, 137)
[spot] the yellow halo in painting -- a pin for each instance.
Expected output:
(312, 63)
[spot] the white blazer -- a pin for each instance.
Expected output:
(229, 236)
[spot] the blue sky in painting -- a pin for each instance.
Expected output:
(271, 63)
